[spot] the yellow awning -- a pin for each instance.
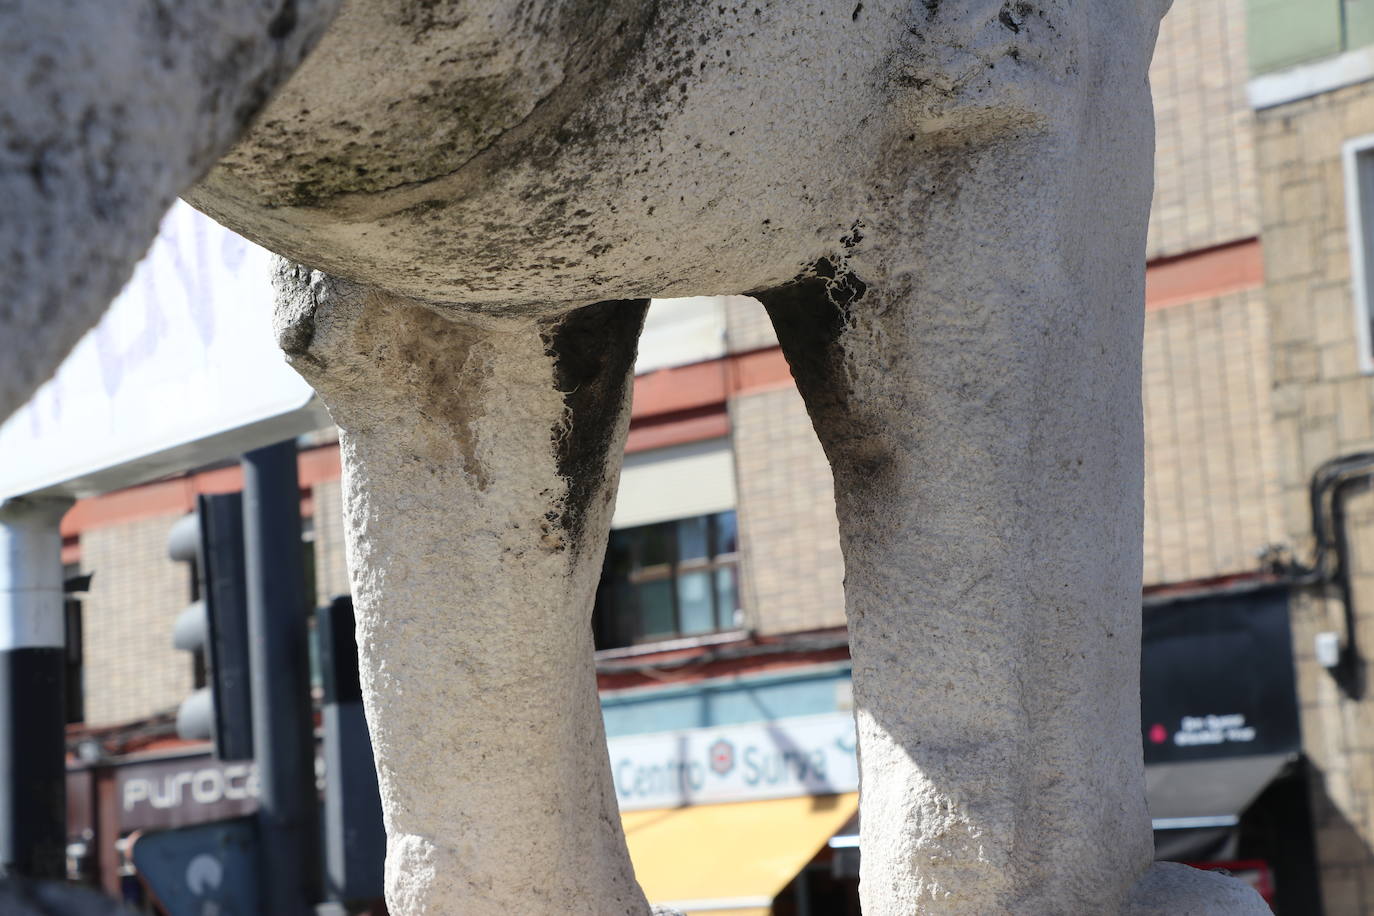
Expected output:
(730, 859)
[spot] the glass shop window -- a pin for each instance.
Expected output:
(669, 580)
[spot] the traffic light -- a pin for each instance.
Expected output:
(216, 625)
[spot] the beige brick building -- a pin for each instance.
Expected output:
(1323, 410)
(1212, 496)
(130, 668)
(793, 571)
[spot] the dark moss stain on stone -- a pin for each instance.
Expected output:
(594, 352)
(810, 315)
(284, 23)
(417, 361)
(295, 339)
(465, 112)
(455, 117)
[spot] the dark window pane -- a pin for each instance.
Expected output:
(727, 599)
(657, 581)
(656, 609)
(691, 539)
(694, 603)
(656, 544)
(619, 555)
(616, 614)
(726, 533)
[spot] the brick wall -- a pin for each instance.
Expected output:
(1204, 151)
(1211, 454)
(1338, 730)
(331, 566)
(1322, 401)
(793, 569)
(131, 669)
(747, 326)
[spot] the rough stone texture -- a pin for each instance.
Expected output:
(1171, 889)
(671, 121)
(480, 464)
(973, 373)
(944, 205)
(107, 113)
(972, 369)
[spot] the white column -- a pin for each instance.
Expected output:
(33, 816)
(31, 573)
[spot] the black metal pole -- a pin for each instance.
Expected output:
(283, 731)
(354, 838)
(33, 796)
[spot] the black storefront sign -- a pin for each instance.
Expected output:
(179, 791)
(1217, 678)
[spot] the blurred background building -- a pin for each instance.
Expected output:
(720, 620)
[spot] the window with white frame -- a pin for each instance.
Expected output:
(672, 561)
(669, 580)
(1359, 203)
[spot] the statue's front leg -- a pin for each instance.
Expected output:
(972, 367)
(480, 463)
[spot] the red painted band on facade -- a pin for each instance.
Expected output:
(1206, 274)
(696, 425)
(671, 407)
(176, 496)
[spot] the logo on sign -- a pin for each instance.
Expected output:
(204, 874)
(722, 757)
(204, 786)
(812, 755)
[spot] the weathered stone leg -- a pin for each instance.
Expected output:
(480, 463)
(972, 367)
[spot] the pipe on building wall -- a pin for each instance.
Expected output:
(1328, 490)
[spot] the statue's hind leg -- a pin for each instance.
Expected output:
(972, 368)
(480, 463)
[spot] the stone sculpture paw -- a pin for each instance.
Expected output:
(1170, 889)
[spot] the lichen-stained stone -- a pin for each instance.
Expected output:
(973, 372)
(108, 111)
(942, 204)
(481, 458)
(512, 155)
(1171, 889)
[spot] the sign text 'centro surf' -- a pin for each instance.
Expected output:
(811, 755)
